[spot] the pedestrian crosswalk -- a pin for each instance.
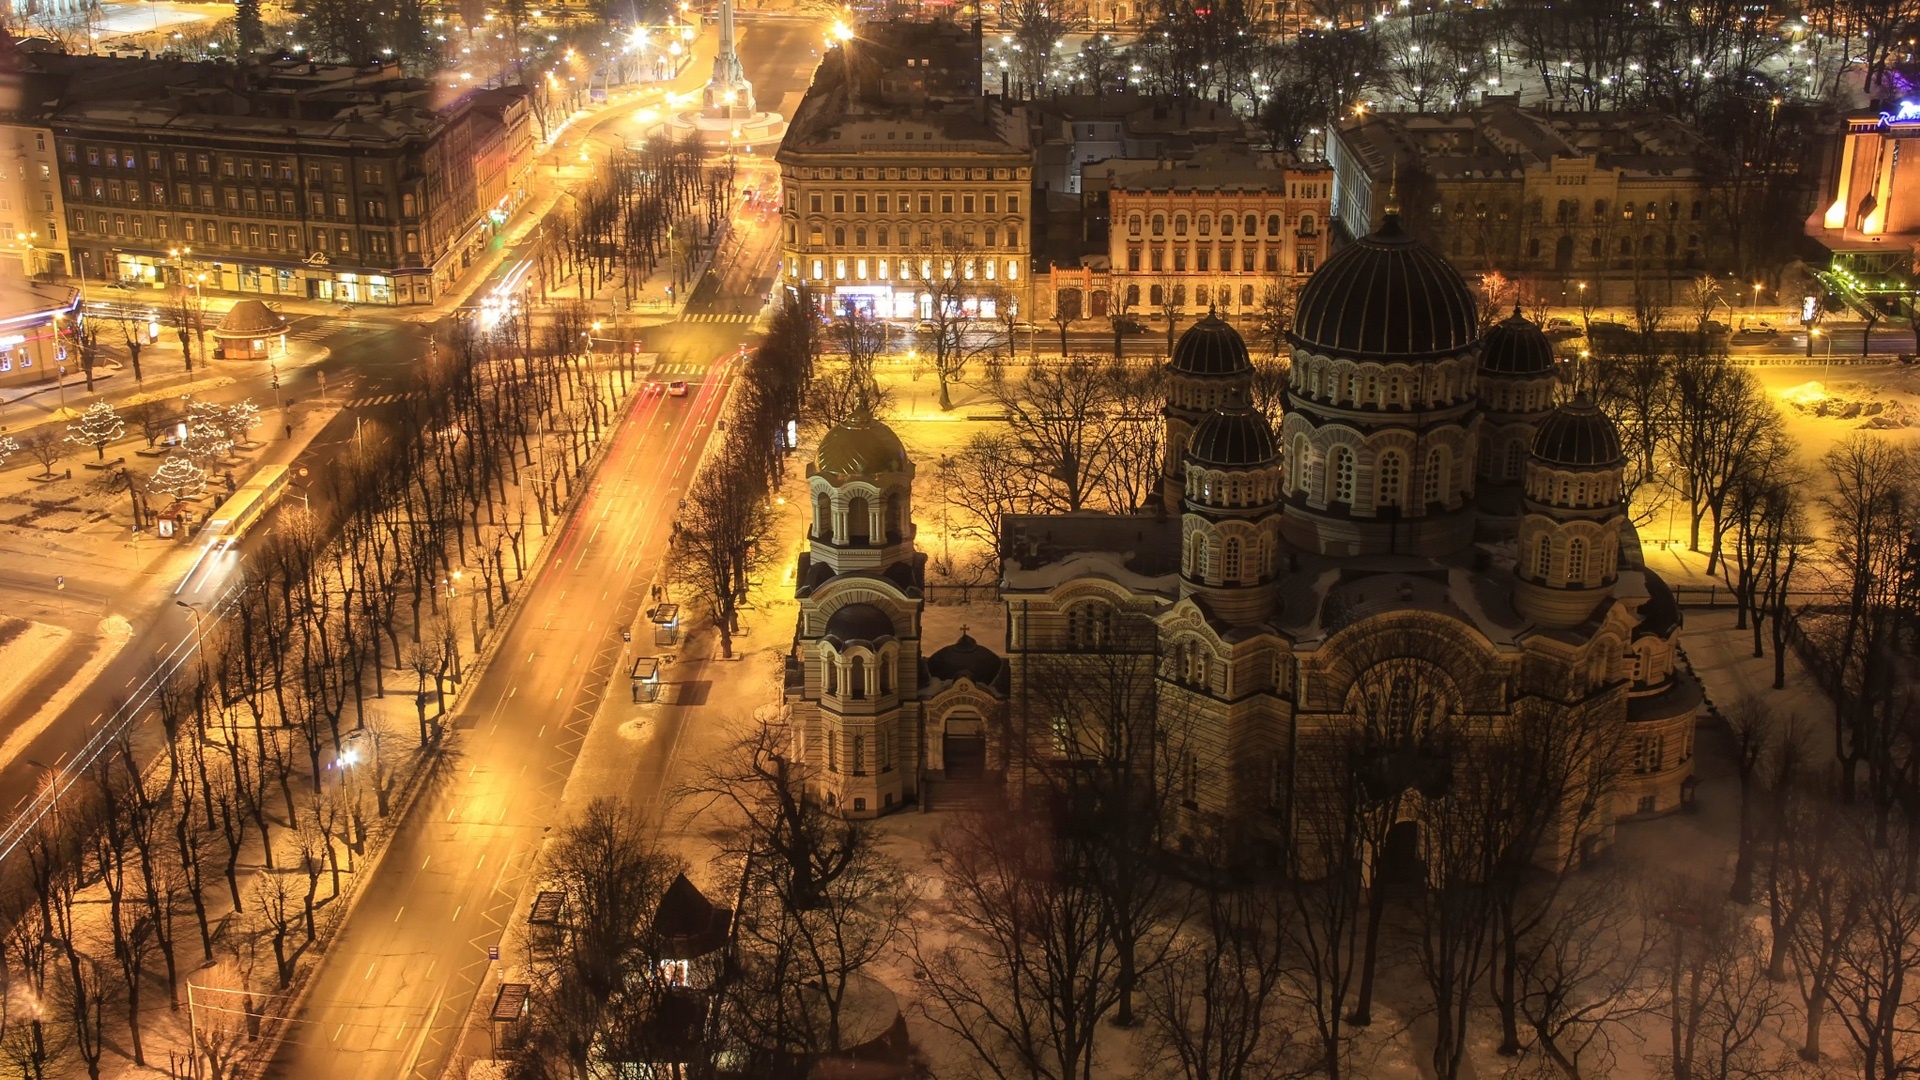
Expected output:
(315, 327)
(717, 317)
(673, 370)
(377, 399)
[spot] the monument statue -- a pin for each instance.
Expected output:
(728, 95)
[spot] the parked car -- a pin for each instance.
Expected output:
(677, 388)
(1127, 324)
(1561, 328)
(924, 326)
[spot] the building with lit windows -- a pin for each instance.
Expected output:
(898, 171)
(285, 178)
(1421, 546)
(1211, 234)
(1612, 199)
(32, 236)
(35, 320)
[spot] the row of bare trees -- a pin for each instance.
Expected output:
(648, 205)
(239, 812)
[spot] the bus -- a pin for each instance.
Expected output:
(239, 513)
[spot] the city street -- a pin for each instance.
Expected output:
(396, 984)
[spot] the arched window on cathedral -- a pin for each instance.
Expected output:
(1089, 625)
(1373, 389)
(859, 522)
(1436, 483)
(857, 678)
(1580, 492)
(833, 752)
(1299, 466)
(1230, 561)
(1340, 476)
(883, 667)
(1513, 460)
(1197, 556)
(1393, 390)
(1576, 561)
(823, 516)
(1543, 555)
(859, 755)
(1565, 492)
(894, 523)
(1389, 480)
(832, 665)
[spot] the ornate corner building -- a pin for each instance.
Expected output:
(1428, 539)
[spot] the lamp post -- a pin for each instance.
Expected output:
(53, 785)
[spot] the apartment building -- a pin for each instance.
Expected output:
(283, 179)
(32, 239)
(900, 173)
(1612, 199)
(1214, 233)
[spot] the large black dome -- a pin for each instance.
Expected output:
(1210, 347)
(859, 622)
(1385, 296)
(1234, 436)
(1516, 346)
(1577, 434)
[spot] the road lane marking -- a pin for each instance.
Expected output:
(482, 862)
(370, 968)
(512, 692)
(529, 658)
(457, 911)
(543, 728)
(425, 861)
(397, 914)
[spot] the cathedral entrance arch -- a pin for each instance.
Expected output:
(1401, 868)
(963, 748)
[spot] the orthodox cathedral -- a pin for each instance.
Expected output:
(1431, 499)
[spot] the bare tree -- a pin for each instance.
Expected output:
(1582, 968)
(1216, 1007)
(1024, 970)
(45, 446)
(718, 543)
(1718, 1004)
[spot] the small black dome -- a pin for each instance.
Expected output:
(1516, 347)
(1577, 434)
(1385, 295)
(1236, 435)
(859, 622)
(965, 657)
(1210, 347)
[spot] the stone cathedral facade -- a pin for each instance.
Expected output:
(1430, 491)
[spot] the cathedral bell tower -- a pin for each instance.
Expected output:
(1573, 508)
(1230, 525)
(1208, 369)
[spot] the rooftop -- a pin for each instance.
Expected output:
(1501, 139)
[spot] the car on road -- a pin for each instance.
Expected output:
(924, 326)
(1558, 327)
(677, 388)
(1755, 334)
(1129, 325)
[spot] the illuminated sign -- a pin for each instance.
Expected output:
(12, 340)
(1907, 113)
